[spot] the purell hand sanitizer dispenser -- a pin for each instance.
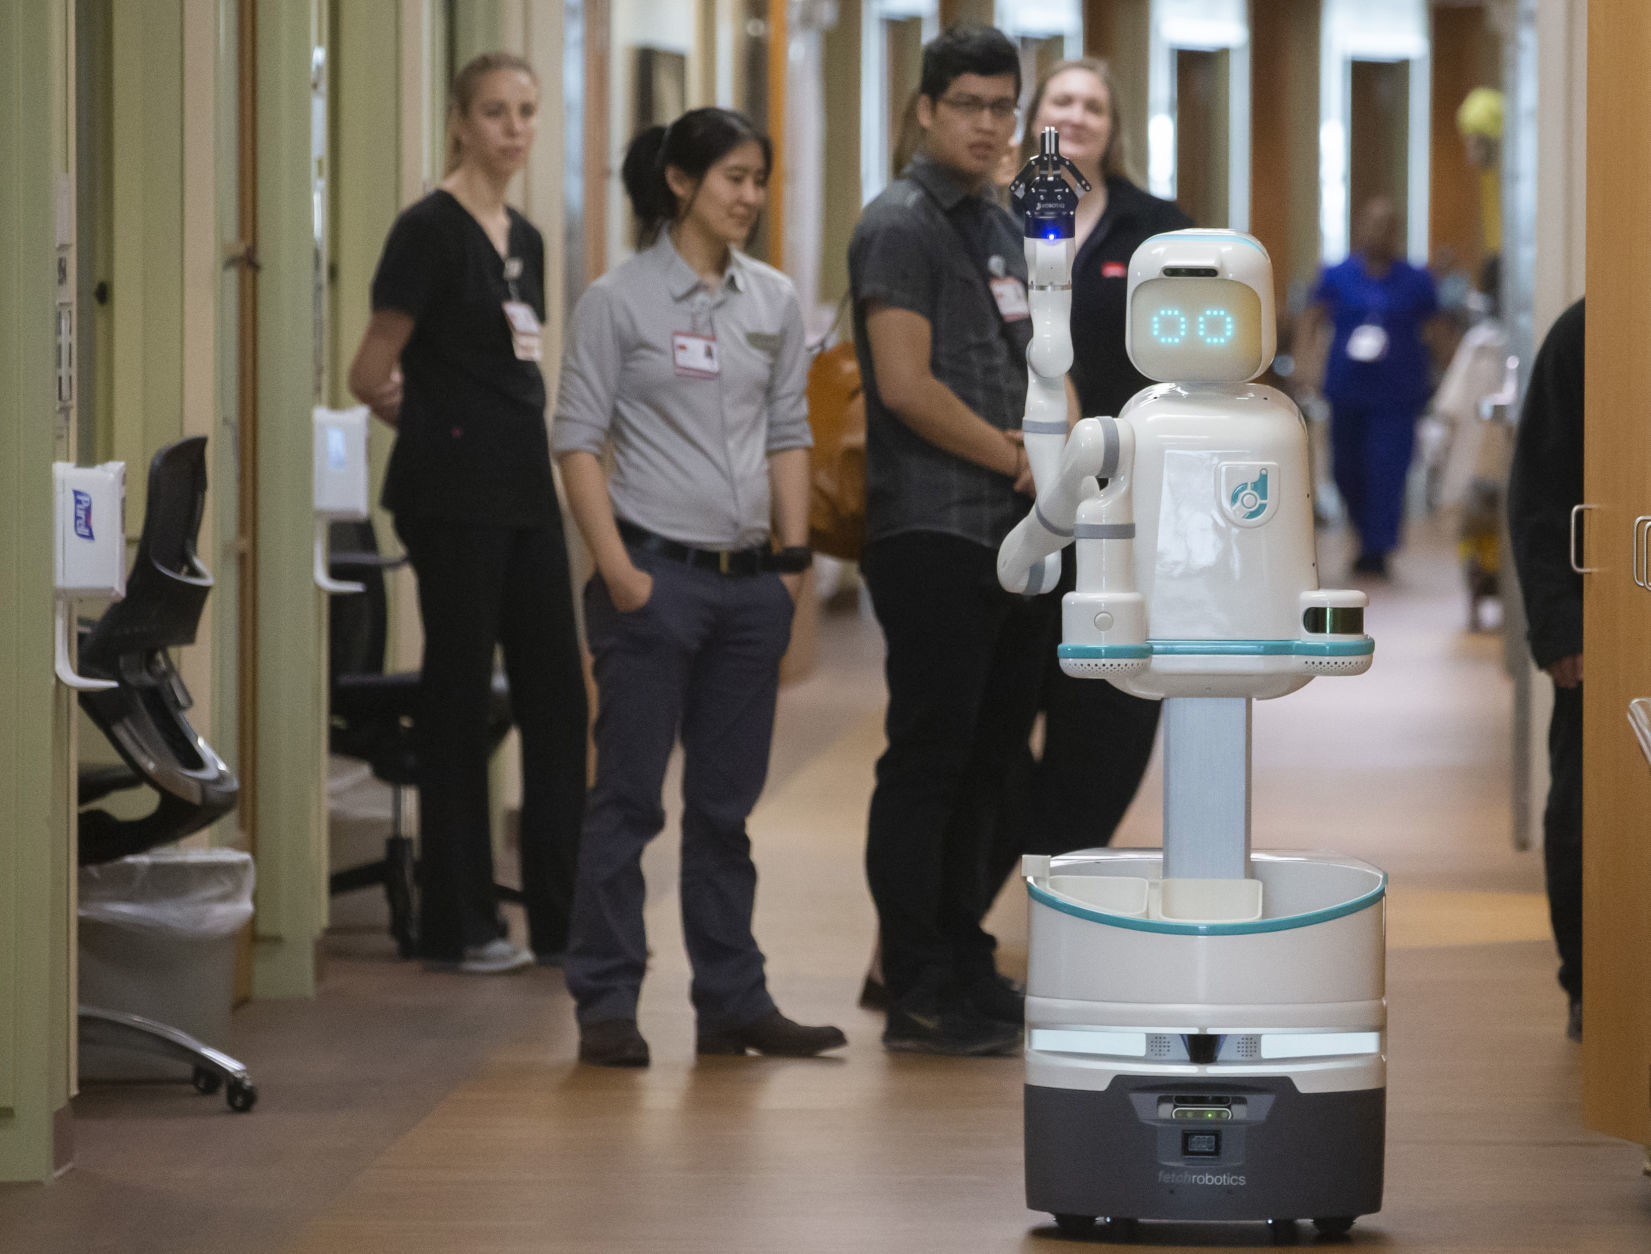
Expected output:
(341, 492)
(90, 549)
(1206, 1026)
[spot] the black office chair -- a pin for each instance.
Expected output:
(372, 718)
(143, 718)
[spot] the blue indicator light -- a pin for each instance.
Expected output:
(1169, 326)
(1215, 326)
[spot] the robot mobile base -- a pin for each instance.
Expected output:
(1180, 1069)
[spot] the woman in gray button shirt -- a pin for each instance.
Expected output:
(686, 365)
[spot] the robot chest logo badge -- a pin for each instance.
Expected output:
(1247, 491)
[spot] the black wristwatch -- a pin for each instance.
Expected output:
(791, 560)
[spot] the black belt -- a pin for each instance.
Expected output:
(723, 561)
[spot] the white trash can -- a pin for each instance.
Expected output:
(158, 939)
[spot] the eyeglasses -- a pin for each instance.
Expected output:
(1002, 109)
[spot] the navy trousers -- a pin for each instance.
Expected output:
(1371, 444)
(480, 588)
(701, 660)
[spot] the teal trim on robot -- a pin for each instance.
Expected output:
(1234, 238)
(1104, 650)
(1223, 648)
(1250, 927)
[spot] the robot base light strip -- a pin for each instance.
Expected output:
(1206, 1025)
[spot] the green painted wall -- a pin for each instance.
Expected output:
(842, 151)
(146, 285)
(365, 59)
(36, 1020)
(291, 829)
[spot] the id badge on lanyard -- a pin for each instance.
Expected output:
(695, 356)
(527, 336)
(1367, 342)
(525, 332)
(1010, 295)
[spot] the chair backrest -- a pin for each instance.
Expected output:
(358, 623)
(168, 585)
(143, 715)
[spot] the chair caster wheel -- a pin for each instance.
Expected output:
(1075, 1225)
(206, 1081)
(242, 1096)
(1334, 1226)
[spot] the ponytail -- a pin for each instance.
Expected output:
(643, 174)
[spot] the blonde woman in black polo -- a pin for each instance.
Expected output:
(450, 359)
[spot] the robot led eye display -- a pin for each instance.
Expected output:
(1199, 330)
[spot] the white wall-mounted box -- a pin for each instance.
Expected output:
(341, 489)
(90, 529)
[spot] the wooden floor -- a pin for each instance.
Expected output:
(408, 1112)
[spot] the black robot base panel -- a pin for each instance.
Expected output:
(1151, 1148)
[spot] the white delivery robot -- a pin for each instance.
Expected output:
(1206, 1025)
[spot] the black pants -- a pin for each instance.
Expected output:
(1562, 835)
(1097, 741)
(479, 587)
(963, 665)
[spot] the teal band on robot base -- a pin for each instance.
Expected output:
(1222, 648)
(1104, 652)
(1250, 927)
(1104, 531)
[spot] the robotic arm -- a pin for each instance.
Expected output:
(1069, 502)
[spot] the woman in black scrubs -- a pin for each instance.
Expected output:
(450, 359)
(1097, 739)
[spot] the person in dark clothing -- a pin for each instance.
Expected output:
(1097, 739)
(450, 359)
(941, 317)
(1544, 485)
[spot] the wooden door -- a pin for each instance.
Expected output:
(1202, 134)
(1379, 136)
(1616, 1047)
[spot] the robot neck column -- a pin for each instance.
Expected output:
(1207, 787)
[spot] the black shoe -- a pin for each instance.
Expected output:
(953, 1027)
(771, 1034)
(874, 994)
(1573, 1022)
(1371, 564)
(612, 1043)
(998, 998)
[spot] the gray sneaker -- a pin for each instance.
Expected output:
(497, 957)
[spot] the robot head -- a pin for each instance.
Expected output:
(1201, 308)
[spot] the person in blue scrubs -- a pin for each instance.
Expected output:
(1377, 376)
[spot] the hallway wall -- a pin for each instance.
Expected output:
(36, 1008)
